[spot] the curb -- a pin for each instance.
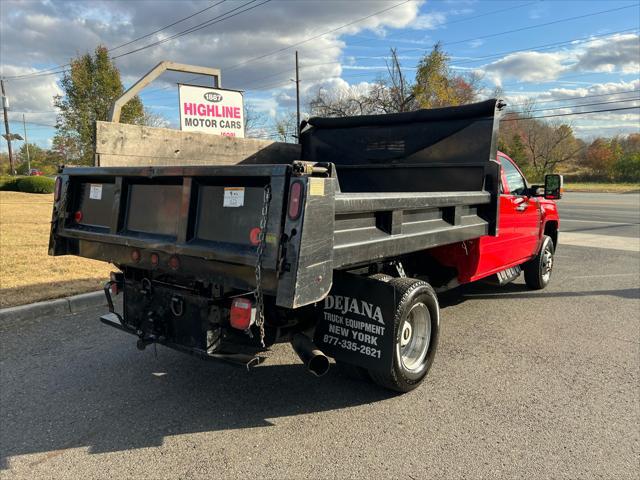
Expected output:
(60, 306)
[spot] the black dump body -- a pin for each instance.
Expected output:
(438, 150)
(373, 188)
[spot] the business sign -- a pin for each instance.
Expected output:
(211, 110)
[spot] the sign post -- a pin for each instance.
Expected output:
(211, 110)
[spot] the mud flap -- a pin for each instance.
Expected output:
(356, 322)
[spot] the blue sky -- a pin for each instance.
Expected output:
(531, 49)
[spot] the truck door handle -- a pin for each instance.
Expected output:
(521, 203)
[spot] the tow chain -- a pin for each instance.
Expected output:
(262, 240)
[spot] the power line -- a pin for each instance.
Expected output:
(578, 98)
(569, 114)
(290, 46)
(547, 46)
(280, 50)
(40, 72)
(577, 106)
(207, 23)
(34, 123)
(383, 69)
(446, 43)
(466, 19)
(530, 27)
(168, 26)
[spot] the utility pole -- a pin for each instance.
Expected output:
(26, 144)
(6, 126)
(297, 98)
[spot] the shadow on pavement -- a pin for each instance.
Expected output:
(123, 399)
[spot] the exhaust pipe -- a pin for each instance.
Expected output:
(314, 360)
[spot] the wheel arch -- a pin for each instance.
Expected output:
(551, 229)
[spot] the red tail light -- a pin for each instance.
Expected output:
(174, 263)
(295, 200)
(155, 259)
(77, 216)
(254, 236)
(57, 188)
(243, 315)
(135, 255)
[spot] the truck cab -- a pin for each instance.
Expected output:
(527, 215)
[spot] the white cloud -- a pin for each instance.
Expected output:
(51, 33)
(527, 67)
(615, 53)
(595, 124)
(33, 96)
(429, 21)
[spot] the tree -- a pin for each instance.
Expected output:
(47, 161)
(437, 86)
(549, 145)
(393, 93)
(90, 86)
(153, 119)
(434, 86)
(343, 102)
(4, 163)
(286, 128)
(627, 168)
(255, 122)
(601, 157)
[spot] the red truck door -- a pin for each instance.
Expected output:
(519, 215)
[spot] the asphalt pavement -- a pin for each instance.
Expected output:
(525, 384)
(601, 213)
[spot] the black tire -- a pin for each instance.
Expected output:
(537, 271)
(412, 294)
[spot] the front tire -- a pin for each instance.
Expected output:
(537, 272)
(416, 326)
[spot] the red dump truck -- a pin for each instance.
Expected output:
(339, 249)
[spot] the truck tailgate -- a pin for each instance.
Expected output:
(209, 213)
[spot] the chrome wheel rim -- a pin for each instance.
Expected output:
(415, 335)
(547, 264)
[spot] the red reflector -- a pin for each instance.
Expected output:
(155, 259)
(135, 255)
(254, 235)
(174, 263)
(77, 216)
(295, 200)
(242, 313)
(56, 189)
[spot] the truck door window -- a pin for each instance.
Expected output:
(516, 183)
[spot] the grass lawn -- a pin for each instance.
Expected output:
(602, 187)
(27, 273)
